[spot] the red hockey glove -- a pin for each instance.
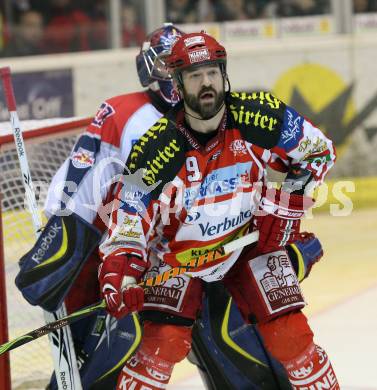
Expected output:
(279, 218)
(117, 278)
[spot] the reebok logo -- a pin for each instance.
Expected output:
(63, 380)
(19, 142)
(46, 241)
(211, 230)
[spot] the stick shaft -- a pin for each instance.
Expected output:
(154, 281)
(51, 327)
(20, 147)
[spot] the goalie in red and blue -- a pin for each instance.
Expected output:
(195, 181)
(80, 215)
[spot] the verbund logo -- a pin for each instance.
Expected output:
(228, 223)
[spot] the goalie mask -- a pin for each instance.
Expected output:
(150, 62)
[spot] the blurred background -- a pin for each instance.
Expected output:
(319, 56)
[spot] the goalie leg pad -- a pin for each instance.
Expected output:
(162, 346)
(230, 354)
(109, 344)
(290, 340)
(48, 270)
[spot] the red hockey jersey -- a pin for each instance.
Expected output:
(181, 200)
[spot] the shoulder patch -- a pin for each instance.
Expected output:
(292, 131)
(105, 111)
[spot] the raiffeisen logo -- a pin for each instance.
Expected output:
(228, 223)
(220, 182)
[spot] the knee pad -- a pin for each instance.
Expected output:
(288, 336)
(171, 343)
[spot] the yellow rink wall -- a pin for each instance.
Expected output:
(341, 196)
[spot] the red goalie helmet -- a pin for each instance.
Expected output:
(195, 49)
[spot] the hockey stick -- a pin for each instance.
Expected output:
(63, 352)
(154, 281)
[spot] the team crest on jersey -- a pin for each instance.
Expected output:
(82, 158)
(238, 147)
(104, 112)
(292, 130)
(135, 193)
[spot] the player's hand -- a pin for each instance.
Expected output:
(120, 291)
(279, 218)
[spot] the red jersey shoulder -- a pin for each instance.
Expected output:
(113, 113)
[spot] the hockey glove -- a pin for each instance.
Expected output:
(278, 219)
(117, 278)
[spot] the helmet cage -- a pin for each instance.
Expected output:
(150, 61)
(155, 64)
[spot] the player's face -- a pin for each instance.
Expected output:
(203, 90)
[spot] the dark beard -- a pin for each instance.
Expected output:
(206, 111)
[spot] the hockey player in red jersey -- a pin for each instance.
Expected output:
(203, 184)
(96, 159)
